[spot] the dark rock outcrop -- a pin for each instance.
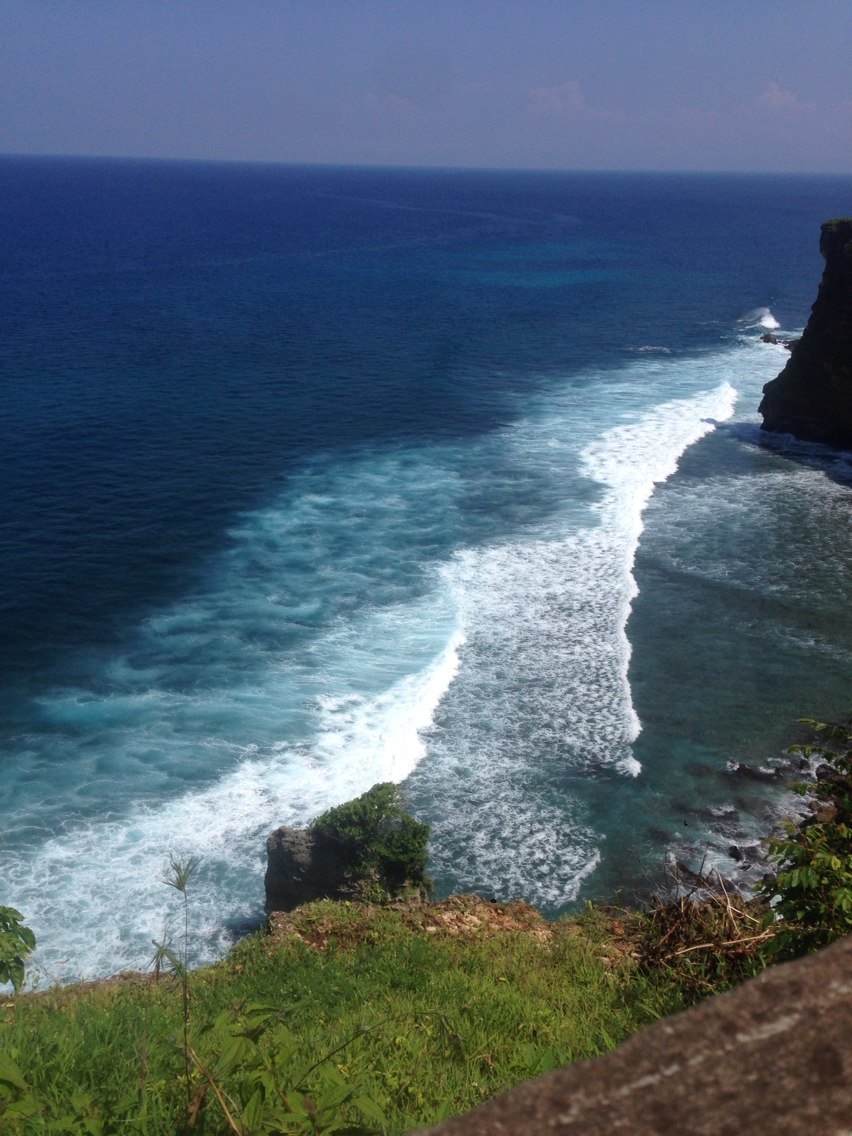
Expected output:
(771, 1058)
(812, 397)
(368, 849)
(303, 865)
(788, 344)
(752, 773)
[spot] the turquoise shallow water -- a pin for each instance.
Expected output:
(316, 478)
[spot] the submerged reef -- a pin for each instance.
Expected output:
(812, 397)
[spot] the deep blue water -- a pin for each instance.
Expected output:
(316, 477)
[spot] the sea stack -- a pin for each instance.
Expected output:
(812, 397)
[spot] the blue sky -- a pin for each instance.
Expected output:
(576, 84)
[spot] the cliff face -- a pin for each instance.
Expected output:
(303, 866)
(812, 397)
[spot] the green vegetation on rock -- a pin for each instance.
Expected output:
(811, 892)
(379, 839)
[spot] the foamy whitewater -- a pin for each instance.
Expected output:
(545, 613)
(419, 507)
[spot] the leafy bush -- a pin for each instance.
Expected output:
(811, 893)
(16, 943)
(378, 838)
(271, 1092)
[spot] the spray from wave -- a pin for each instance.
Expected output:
(762, 318)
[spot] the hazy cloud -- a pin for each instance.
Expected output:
(420, 74)
(774, 97)
(390, 101)
(564, 100)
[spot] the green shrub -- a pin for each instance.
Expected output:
(811, 892)
(378, 838)
(16, 943)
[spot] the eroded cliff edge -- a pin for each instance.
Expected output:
(812, 397)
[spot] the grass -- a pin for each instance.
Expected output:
(420, 1023)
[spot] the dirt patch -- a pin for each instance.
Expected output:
(468, 915)
(459, 916)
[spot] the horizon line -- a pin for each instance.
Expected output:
(435, 168)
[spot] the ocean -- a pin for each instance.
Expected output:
(316, 477)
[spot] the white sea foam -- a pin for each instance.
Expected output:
(760, 317)
(381, 737)
(543, 695)
(303, 671)
(108, 873)
(334, 645)
(630, 460)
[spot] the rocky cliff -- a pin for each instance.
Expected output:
(369, 849)
(303, 866)
(812, 397)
